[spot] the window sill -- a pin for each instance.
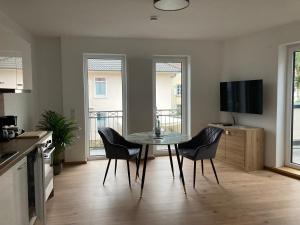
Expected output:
(286, 171)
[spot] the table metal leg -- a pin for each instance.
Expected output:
(171, 160)
(180, 167)
(138, 163)
(144, 169)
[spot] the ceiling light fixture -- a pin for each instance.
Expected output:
(153, 17)
(171, 5)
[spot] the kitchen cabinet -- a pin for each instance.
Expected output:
(15, 62)
(14, 195)
(7, 198)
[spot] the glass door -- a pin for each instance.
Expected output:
(105, 98)
(293, 156)
(170, 108)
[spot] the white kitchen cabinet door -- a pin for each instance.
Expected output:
(21, 193)
(9, 69)
(15, 62)
(7, 198)
(14, 195)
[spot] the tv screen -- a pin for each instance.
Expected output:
(242, 96)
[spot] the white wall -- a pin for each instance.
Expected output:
(48, 74)
(256, 57)
(205, 70)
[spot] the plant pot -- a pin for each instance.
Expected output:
(57, 168)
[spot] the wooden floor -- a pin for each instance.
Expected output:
(261, 197)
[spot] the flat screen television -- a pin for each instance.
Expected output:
(242, 96)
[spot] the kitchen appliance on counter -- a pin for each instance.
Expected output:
(9, 128)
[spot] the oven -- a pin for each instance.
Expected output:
(40, 180)
(47, 150)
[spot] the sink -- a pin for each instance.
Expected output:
(5, 156)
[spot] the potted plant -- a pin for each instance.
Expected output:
(63, 135)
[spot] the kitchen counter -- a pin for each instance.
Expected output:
(22, 146)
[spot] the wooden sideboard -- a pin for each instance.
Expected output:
(242, 147)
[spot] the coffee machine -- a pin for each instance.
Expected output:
(9, 128)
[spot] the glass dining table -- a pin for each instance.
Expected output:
(149, 138)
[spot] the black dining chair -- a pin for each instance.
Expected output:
(116, 147)
(202, 146)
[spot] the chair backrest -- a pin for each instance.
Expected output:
(109, 136)
(210, 137)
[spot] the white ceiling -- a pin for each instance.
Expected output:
(204, 19)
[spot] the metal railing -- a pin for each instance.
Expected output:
(99, 119)
(170, 121)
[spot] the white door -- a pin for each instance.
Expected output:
(171, 96)
(105, 91)
(292, 158)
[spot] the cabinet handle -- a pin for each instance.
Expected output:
(2, 82)
(227, 132)
(19, 84)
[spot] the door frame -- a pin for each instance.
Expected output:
(121, 57)
(289, 105)
(185, 89)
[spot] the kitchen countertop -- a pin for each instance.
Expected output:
(22, 146)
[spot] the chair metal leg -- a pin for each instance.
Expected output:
(171, 160)
(128, 169)
(213, 166)
(106, 171)
(181, 163)
(194, 181)
(144, 170)
(138, 163)
(202, 167)
(116, 161)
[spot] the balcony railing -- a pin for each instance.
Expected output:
(99, 119)
(170, 120)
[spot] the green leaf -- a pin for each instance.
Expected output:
(63, 130)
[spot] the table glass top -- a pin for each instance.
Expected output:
(150, 138)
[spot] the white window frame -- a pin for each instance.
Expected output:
(185, 90)
(121, 57)
(289, 104)
(105, 82)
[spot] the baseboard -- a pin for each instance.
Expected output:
(75, 163)
(286, 171)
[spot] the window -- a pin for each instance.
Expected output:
(100, 87)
